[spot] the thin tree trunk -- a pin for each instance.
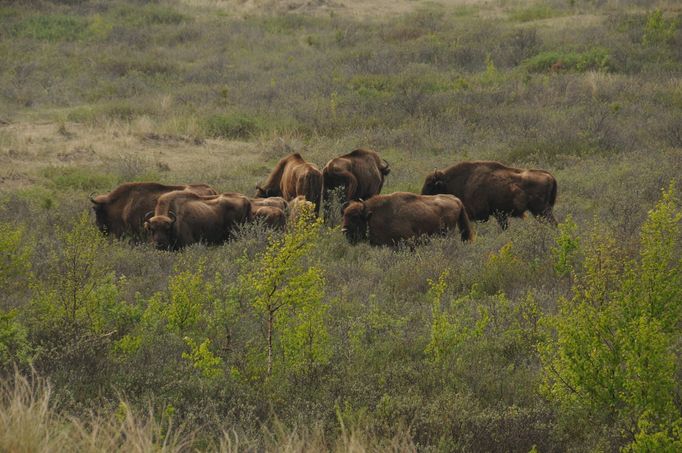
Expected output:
(270, 322)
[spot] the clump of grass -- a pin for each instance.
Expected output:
(231, 126)
(64, 178)
(51, 27)
(533, 12)
(596, 58)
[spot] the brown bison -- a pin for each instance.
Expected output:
(291, 177)
(270, 216)
(182, 218)
(121, 212)
(403, 215)
(360, 173)
(489, 188)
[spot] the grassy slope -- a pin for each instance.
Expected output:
(98, 92)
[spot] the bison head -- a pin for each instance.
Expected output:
(161, 229)
(356, 214)
(265, 193)
(434, 183)
(100, 210)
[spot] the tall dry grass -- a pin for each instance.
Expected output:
(29, 422)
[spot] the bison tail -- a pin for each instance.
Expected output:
(313, 188)
(552, 194)
(465, 226)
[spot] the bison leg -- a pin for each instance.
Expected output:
(502, 220)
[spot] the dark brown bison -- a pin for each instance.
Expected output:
(182, 218)
(291, 177)
(403, 215)
(121, 212)
(489, 188)
(360, 173)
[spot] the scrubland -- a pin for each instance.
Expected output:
(529, 339)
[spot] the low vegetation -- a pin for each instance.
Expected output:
(530, 339)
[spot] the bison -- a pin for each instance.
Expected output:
(392, 218)
(182, 218)
(490, 188)
(360, 173)
(121, 212)
(291, 177)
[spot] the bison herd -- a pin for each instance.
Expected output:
(172, 217)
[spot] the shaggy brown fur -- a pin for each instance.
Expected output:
(361, 173)
(403, 215)
(121, 212)
(291, 177)
(182, 218)
(489, 188)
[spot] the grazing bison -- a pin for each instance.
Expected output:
(403, 215)
(489, 188)
(360, 173)
(182, 218)
(291, 177)
(270, 210)
(121, 212)
(271, 216)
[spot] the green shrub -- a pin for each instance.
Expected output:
(597, 58)
(658, 30)
(231, 126)
(615, 356)
(52, 28)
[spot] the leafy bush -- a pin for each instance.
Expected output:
(614, 358)
(534, 12)
(597, 58)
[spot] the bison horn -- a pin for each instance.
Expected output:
(148, 215)
(171, 214)
(91, 198)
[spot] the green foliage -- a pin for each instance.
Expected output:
(454, 324)
(567, 247)
(596, 58)
(231, 126)
(287, 293)
(614, 358)
(73, 178)
(189, 296)
(150, 14)
(535, 12)
(201, 358)
(658, 30)
(54, 27)
(80, 288)
(15, 258)
(14, 345)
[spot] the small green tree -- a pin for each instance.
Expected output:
(80, 288)
(287, 294)
(15, 259)
(614, 357)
